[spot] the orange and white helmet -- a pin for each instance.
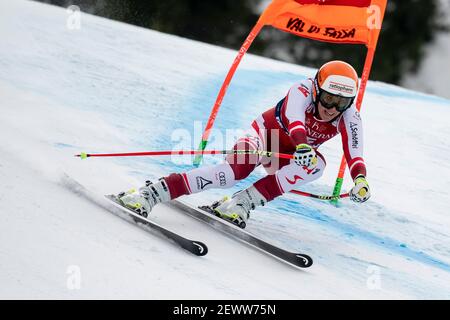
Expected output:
(336, 79)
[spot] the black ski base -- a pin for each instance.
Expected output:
(196, 247)
(207, 215)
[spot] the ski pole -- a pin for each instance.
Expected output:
(84, 155)
(320, 197)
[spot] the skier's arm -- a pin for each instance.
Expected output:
(297, 101)
(350, 127)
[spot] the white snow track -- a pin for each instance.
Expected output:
(112, 87)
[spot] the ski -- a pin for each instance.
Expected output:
(110, 204)
(295, 259)
(196, 247)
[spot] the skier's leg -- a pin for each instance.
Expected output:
(225, 175)
(178, 184)
(222, 176)
(201, 179)
(266, 189)
(289, 177)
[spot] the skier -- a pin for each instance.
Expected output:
(312, 112)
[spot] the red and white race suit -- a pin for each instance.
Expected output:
(291, 122)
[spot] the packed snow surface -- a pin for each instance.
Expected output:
(112, 87)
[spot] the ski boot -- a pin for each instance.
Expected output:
(237, 208)
(142, 202)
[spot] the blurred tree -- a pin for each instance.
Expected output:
(408, 27)
(222, 22)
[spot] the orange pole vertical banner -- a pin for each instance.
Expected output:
(215, 110)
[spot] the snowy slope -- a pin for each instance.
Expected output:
(112, 87)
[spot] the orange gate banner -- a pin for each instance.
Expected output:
(340, 21)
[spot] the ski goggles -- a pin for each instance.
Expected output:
(330, 101)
